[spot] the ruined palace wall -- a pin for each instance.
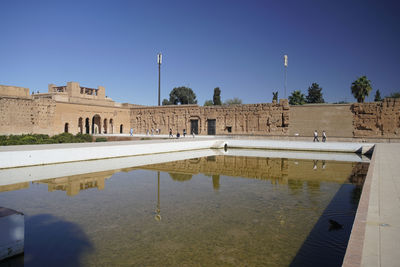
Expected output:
(335, 119)
(257, 119)
(6, 90)
(377, 119)
(70, 113)
(46, 116)
(25, 115)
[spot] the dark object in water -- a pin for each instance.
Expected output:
(334, 225)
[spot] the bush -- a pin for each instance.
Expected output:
(64, 138)
(101, 139)
(29, 139)
(84, 137)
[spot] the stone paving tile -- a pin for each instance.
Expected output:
(381, 238)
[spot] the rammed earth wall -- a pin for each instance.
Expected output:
(255, 119)
(24, 115)
(377, 119)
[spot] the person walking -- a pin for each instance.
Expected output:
(184, 132)
(170, 133)
(315, 136)
(323, 136)
(131, 131)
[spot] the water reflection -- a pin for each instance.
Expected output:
(72, 185)
(277, 171)
(158, 208)
(218, 210)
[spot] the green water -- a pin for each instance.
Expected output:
(190, 213)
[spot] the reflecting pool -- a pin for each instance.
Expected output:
(210, 211)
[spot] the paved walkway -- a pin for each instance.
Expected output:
(375, 238)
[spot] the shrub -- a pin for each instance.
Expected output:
(84, 137)
(64, 138)
(29, 139)
(101, 139)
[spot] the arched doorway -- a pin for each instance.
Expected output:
(87, 126)
(80, 125)
(105, 126)
(96, 124)
(121, 128)
(111, 126)
(66, 126)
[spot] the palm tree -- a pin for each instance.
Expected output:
(360, 88)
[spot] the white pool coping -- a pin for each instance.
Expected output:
(31, 155)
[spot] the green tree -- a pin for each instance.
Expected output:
(181, 95)
(297, 98)
(360, 88)
(217, 96)
(233, 101)
(394, 95)
(377, 96)
(166, 102)
(315, 94)
(275, 96)
(208, 103)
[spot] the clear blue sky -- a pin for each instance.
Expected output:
(235, 45)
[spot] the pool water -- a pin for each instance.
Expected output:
(212, 211)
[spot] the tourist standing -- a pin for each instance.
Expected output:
(178, 135)
(184, 132)
(315, 136)
(323, 136)
(131, 132)
(170, 133)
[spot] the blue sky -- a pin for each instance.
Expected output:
(235, 45)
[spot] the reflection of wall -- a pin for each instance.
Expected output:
(13, 187)
(276, 170)
(73, 184)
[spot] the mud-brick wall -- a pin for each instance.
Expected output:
(377, 119)
(336, 120)
(25, 115)
(257, 119)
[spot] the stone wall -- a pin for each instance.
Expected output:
(109, 119)
(255, 119)
(335, 119)
(47, 116)
(25, 115)
(6, 90)
(377, 119)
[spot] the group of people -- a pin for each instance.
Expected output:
(316, 136)
(158, 131)
(178, 133)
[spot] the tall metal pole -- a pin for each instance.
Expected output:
(285, 57)
(285, 81)
(159, 59)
